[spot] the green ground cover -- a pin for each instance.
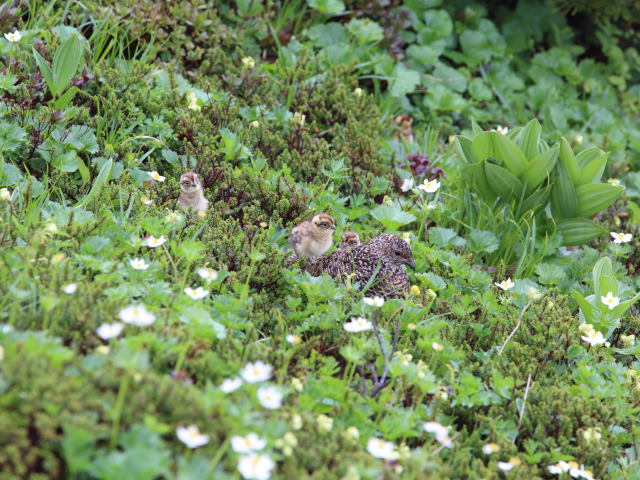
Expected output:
(514, 354)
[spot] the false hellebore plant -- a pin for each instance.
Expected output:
(521, 171)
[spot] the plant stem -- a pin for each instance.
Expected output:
(115, 426)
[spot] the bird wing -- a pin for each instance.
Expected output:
(299, 232)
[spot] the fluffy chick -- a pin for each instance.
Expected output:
(386, 254)
(350, 239)
(312, 238)
(191, 194)
(406, 132)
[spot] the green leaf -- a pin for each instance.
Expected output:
(569, 161)
(540, 168)
(529, 137)
(594, 197)
(404, 81)
(101, 179)
(602, 268)
(65, 62)
(328, 7)
(463, 148)
(622, 308)
(11, 137)
(505, 184)
(585, 306)
(476, 177)
(46, 72)
(503, 149)
(564, 201)
(437, 25)
(588, 154)
(65, 99)
(66, 162)
(365, 30)
(578, 231)
(482, 241)
(537, 200)
(443, 237)
(593, 167)
(392, 216)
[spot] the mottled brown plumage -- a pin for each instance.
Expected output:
(386, 252)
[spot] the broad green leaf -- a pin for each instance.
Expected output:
(537, 200)
(463, 148)
(65, 99)
(392, 216)
(365, 30)
(578, 231)
(602, 268)
(606, 284)
(528, 139)
(65, 62)
(328, 7)
(503, 149)
(564, 201)
(594, 197)
(569, 161)
(45, 70)
(11, 137)
(482, 241)
(585, 306)
(475, 175)
(588, 154)
(622, 308)
(443, 237)
(100, 180)
(404, 81)
(505, 184)
(540, 168)
(593, 168)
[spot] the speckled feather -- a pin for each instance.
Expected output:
(388, 251)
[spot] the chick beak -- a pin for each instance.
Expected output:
(333, 228)
(411, 264)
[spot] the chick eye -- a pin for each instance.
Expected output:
(397, 252)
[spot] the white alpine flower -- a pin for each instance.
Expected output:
(70, 289)
(137, 315)
(207, 274)
(196, 293)
(359, 324)
(621, 237)
(156, 176)
(381, 449)
(256, 372)
(229, 385)
(153, 242)
(107, 331)
(505, 284)
(247, 444)
(407, 184)
(430, 186)
(610, 301)
(139, 264)
(16, 36)
(255, 466)
(374, 301)
(191, 436)
(270, 397)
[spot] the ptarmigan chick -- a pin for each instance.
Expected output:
(312, 238)
(191, 194)
(350, 239)
(405, 132)
(386, 252)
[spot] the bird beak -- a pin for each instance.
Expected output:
(411, 264)
(334, 227)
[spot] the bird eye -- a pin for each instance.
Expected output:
(397, 252)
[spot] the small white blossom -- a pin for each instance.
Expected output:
(191, 436)
(359, 324)
(614, 181)
(192, 104)
(255, 466)
(438, 347)
(505, 466)
(254, 124)
(196, 293)
(156, 176)
(407, 184)
(270, 397)
(621, 237)
(5, 194)
(137, 315)
(229, 385)
(298, 119)
(374, 301)
(381, 449)
(440, 431)
(13, 37)
(146, 200)
(505, 284)
(430, 186)
(558, 468)
(325, 423)
(207, 274)
(293, 339)
(358, 92)
(594, 338)
(107, 331)
(610, 301)
(256, 372)
(490, 448)
(248, 63)
(153, 242)
(247, 444)
(70, 289)
(501, 129)
(139, 264)
(173, 217)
